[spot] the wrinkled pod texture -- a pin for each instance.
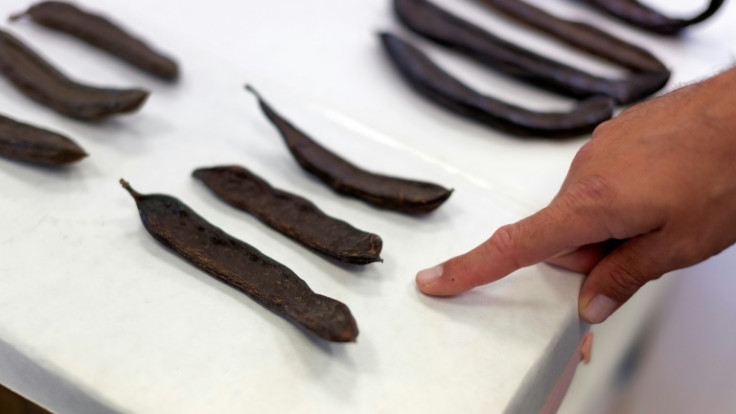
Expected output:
(383, 191)
(292, 215)
(43, 83)
(28, 143)
(438, 86)
(449, 30)
(243, 267)
(103, 34)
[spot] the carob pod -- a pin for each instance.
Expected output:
(103, 34)
(243, 267)
(292, 215)
(392, 193)
(580, 35)
(445, 28)
(40, 81)
(431, 81)
(28, 143)
(646, 18)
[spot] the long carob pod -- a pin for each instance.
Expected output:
(646, 18)
(32, 144)
(440, 87)
(243, 267)
(103, 34)
(40, 81)
(445, 28)
(392, 193)
(292, 215)
(580, 35)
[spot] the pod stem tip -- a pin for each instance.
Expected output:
(17, 16)
(251, 89)
(126, 185)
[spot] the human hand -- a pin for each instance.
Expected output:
(653, 191)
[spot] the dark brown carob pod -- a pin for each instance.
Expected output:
(43, 83)
(447, 29)
(392, 193)
(292, 215)
(243, 267)
(32, 144)
(646, 18)
(440, 87)
(579, 35)
(103, 34)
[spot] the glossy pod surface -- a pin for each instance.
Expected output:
(43, 83)
(243, 267)
(440, 87)
(292, 215)
(392, 193)
(28, 143)
(103, 34)
(447, 29)
(646, 18)
(579, 35)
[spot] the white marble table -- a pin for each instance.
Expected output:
(95, 316)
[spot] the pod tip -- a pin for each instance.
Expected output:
(126, 185)
(17, 16)
(200, 173)
(74, 155)
(251, 89)
(385, 35)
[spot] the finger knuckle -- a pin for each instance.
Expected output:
(503, 242)
(591, 192)
(601, 129)
(622, 281)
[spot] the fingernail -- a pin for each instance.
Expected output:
(586, 348)
(428, 276)
(599, 309)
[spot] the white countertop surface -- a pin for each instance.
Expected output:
(96, 316)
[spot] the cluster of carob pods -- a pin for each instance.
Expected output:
(599, 95)
(172, 222)
(36, 78)
(268, 282)
(242, 266)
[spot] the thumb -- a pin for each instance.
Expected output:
(620, 274)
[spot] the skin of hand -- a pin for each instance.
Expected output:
(653, 191)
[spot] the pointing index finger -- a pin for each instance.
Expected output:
(552, 230)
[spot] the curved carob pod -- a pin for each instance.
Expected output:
(40, 81)
(383, 191)
(646, 18)
(445, 28)
(103, 34)
(433, 82)
(292, 215)
(580, 35)
(243, 267)
(35, 145)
